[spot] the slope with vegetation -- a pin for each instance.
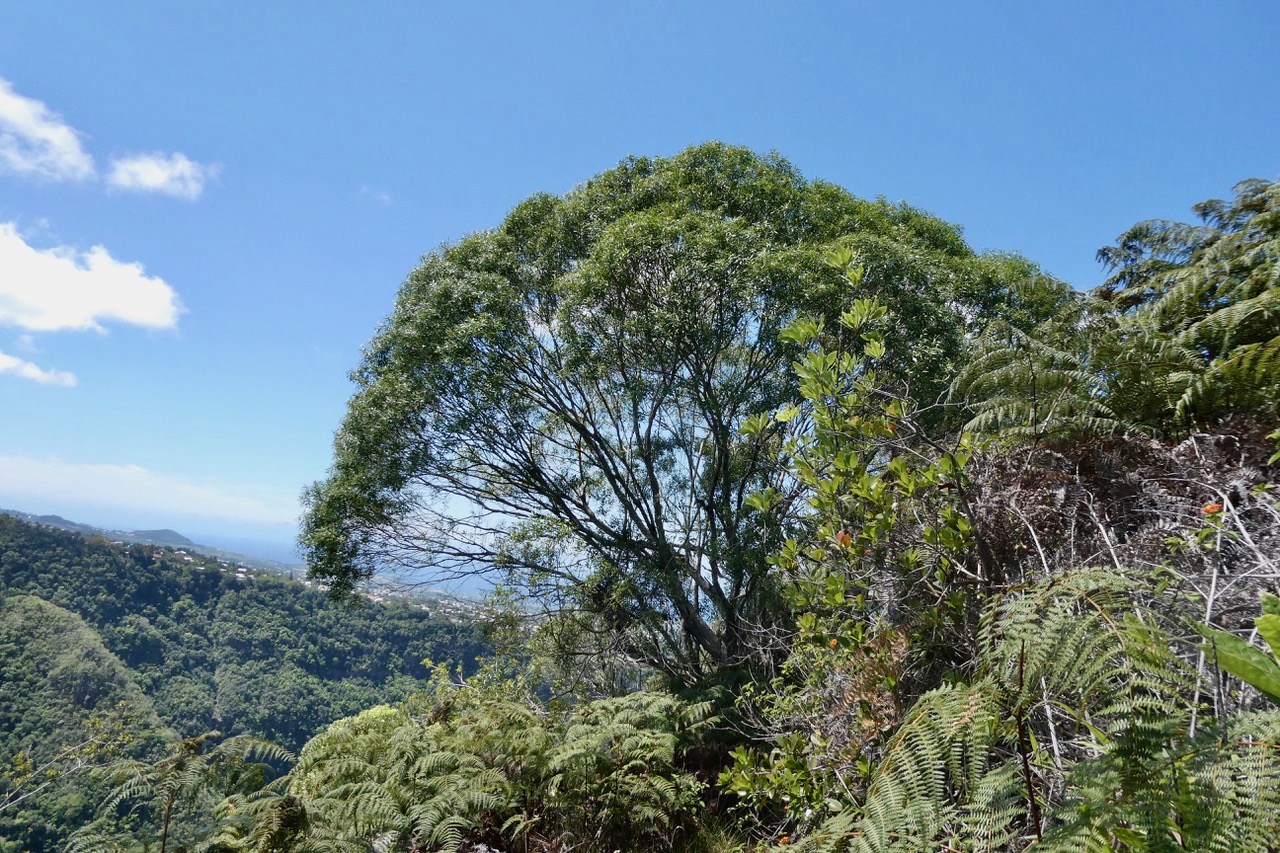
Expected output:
(218, 649)
(67, 705)
(113, 651)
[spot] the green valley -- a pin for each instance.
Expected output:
(168, 645)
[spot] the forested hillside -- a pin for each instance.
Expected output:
(217, 649)
(169, 645)
(836, 534)
(67, 702)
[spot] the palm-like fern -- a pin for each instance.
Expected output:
(1184, 332)
(196, 772)
(383, 776)
(1212, 291)
(614, 770)
(1030, 372)
(465, 765)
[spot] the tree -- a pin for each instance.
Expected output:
(1202, 305)
(196, 773)
(563, 397)
(1181, 336)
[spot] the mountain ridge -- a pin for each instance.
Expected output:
(163, 537)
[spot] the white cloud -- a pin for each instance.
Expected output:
(157, 172)
(382, 197)
(45, 290)
(35, 141)
(135, 489)
(26, 370)
(25, 343)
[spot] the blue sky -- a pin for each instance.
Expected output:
(207, 208)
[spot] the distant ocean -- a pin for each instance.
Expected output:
(266, 549)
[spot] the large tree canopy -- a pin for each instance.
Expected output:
(562, 397)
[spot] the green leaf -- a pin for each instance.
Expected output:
(1244, 661)
(840, 257)
(1270, 604)
(763, 501)
(1129, 837)
(755, 424)
(802, 331)
(1269, 627)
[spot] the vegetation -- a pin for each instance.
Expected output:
(258, 655)
(563, 398)
(848, 539)
(67, 706)
(975, 668)
(109, 652)
(196, 775)
(1182, 336)
(462, 763)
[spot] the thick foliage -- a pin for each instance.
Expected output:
(1071, 716)
(1078, 722)
(1075, 733)
(563, 396)
(257, 655)
(1183, 335)
(465, 765)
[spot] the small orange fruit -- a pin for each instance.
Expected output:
(834, 642)
(1209, 509)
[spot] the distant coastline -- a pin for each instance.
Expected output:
(260, 553)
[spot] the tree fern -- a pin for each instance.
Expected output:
(190, 779)
(462, 764)
(1211, 290)
(384, 775)
(1183, 333)
(614, 771)
(1217, 791)
(1030, 374)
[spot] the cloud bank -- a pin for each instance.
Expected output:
(36, 142)
(62, 289)
(135, 489)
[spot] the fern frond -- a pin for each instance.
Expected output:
(964, 766)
